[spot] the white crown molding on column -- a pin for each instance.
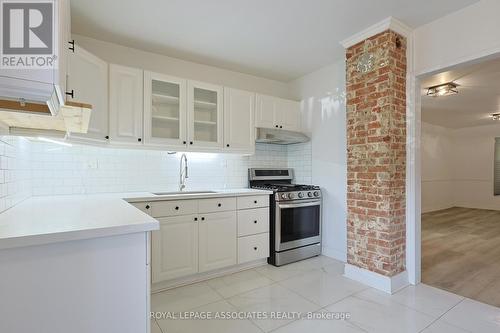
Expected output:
(389, 23)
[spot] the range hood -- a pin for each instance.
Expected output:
(28, 96)
(37, 105)
(279, 137)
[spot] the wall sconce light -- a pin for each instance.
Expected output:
(445, 89)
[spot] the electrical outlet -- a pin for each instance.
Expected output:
(91, 164)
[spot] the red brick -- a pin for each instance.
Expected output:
(376, 156)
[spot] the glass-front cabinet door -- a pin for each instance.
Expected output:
(204, 115)
(165, 110)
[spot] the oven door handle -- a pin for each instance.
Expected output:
(298, 205)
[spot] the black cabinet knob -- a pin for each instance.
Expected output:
(184, 142)
(277, 126)
(107, 137)
(227, 145)
(176, 207)
(281, 126)
(219, 204)
(255, 221)
(139, 139)
(147, 207)
(203, 219)
(190, 142)
(196, 219)
(255, 248)
(255, 201)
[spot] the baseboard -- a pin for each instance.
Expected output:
(387, 284)
(183, 281)
(334, 253)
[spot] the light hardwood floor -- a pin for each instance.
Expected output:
(461, 252)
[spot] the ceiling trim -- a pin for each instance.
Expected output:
(389, 23)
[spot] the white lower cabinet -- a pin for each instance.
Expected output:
(198, 236)
(217, 241)
(253, 247)
(174, 248)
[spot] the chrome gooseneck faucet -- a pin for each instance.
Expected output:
(183, 172)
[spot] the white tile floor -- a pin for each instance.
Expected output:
(317, 286)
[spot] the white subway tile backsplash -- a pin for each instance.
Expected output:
(15, 171)
(37, 168)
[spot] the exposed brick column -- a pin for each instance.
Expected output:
(376, 155)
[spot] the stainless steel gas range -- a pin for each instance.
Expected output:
(295, 221)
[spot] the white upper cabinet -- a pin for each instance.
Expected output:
(287, 114)
(205, 107)
(88, 82)
(165, 112)
(239, 129)
(278, 113)
(125, 105)
(265, 111)
(66, 47)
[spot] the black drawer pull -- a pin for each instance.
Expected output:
(255, 248)
(176, 207)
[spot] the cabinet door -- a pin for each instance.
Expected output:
(165, 110)
(204, 115)
(239, 127)
(174, 248)
(64, 37)
(265, 111)
(217, 240)
(125, 104)
(88, 79)
(288, 114)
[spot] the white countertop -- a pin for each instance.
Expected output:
(140, 197)
(51, 219)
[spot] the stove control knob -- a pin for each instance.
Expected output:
(290, 195)
(309, 194)
(301, 195)
(316, 193)
(283, 195)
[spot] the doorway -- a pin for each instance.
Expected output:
(460, 221)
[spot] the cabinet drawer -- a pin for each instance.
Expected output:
(253, 247)
(174, 208)
(143, 206)
(253, 221)
(216, 205)
(254, 201)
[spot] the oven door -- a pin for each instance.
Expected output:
(298, 223)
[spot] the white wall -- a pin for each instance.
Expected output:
(323, 105)
(473, 167)
(465, 35)
(126, 56)
(437, 168)
(457, 167)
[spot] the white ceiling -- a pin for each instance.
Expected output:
(278, 39)
(478, 97)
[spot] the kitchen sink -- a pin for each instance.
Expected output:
(184, 192)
